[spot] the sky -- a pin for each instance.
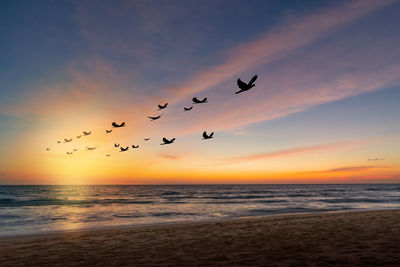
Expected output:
(325, 107)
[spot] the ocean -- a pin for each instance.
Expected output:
(39, 209)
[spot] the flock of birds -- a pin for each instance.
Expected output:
(242, 86)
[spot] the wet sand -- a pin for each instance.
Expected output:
(366, 238)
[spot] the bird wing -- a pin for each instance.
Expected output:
(204, 100)
(165, 140)
(114, 124)
(172, 140)
(160, 107)
(211, 135)
(241, 84)
(122, 124)
(253, 80)
(195, 100)
(205, 136)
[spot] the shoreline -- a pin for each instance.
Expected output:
(219, 220)
(319, 238)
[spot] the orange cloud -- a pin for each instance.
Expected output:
(352, 169)
(169, 156)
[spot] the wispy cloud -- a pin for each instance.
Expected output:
(352, 169)
(292, 151)
(169, 156)
(294, 34)
(290, 80)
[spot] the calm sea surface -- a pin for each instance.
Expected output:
(38, 209)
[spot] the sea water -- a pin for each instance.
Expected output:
(39, 209)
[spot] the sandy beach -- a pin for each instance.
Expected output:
(363, 238)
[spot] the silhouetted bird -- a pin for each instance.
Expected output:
(116, 145)
(245, 86)
(108, 155)
(187, 109)
(205, 136)
(133, 146)
(124, 149)
(146, 139)
(108, 131)
(154, 118)
(75, 149)
(197, 101)
(47, 149)
(114, 124)
(167, 142)
(69, 153)
(90, 148)
(67, 140)
(86, 133)
(78, 136)
(162, 107)
(58, 142)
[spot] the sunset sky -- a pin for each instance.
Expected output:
(325, 108)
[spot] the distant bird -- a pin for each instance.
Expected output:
(116, 145)
(124, 149)
(187, 109)
(69, 153)
(245, 86)
(86, 133)
(47, 149)
(154, 118)
(108, 131)
(75, 149)
(167, 142)
(197, 101)
(78, 136)
(67, 140)
(108, 155)
(205, 136)
(58, 142)
(146, 139)
(133, 146)
(90, 148)
(115, 125)
(162, 107)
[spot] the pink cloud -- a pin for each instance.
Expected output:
(301, 81)
(296, 33)
(296, 150)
